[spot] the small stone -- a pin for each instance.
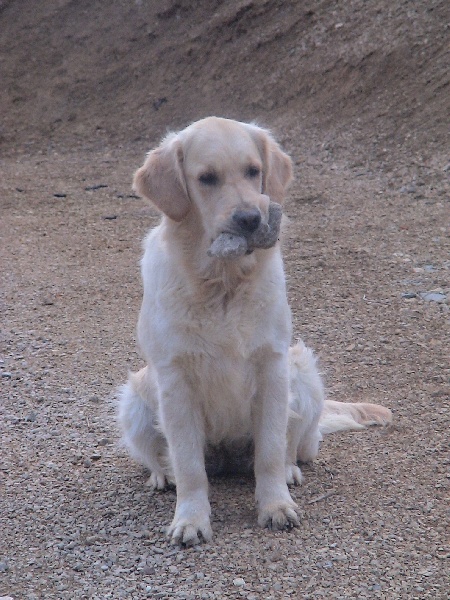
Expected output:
(238, 582)
(87, 463)
(103, 442)
(411, 188)
(96, 456)
(93, 188)
(376, 587)
(148, 570)
(3, 567)
(91, 539)
(6, 375)
(433, 296)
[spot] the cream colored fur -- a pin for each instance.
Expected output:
(216, 333)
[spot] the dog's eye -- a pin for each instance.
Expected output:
(252, 172)
(209, 179)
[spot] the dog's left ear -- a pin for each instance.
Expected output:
(277, 165)
(161, 179)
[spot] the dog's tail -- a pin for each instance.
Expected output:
(341, 416)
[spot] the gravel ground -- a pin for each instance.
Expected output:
(77, 518)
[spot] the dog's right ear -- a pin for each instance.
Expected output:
(161, 179)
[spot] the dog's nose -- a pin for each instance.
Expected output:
(248, 221)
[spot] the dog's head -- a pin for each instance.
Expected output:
(225, 171)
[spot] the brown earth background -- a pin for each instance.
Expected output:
(358, 93)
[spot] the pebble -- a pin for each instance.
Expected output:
(104, 442)
(408, 189)
(98, 186)
(238, 582)
(433, 296)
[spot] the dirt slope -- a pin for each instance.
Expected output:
(126, 70)
(358, 93)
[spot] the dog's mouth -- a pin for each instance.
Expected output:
(233, 245)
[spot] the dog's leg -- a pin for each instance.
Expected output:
(276, 509)
(184, 428)
(137, 420)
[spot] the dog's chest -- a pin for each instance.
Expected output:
(223, 333)
(224, 387)
(221, 360)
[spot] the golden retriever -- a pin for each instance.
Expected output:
(215, 330)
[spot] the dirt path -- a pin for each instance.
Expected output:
(367, 259)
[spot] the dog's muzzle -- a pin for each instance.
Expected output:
(252, 233)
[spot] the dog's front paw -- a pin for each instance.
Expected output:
(189, 532)
(190, 525)
(278, 516)
(293, 475)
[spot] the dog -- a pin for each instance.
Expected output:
(221, 380)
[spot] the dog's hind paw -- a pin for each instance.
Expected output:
(278, 517)
(293, 475)
(157, 481)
